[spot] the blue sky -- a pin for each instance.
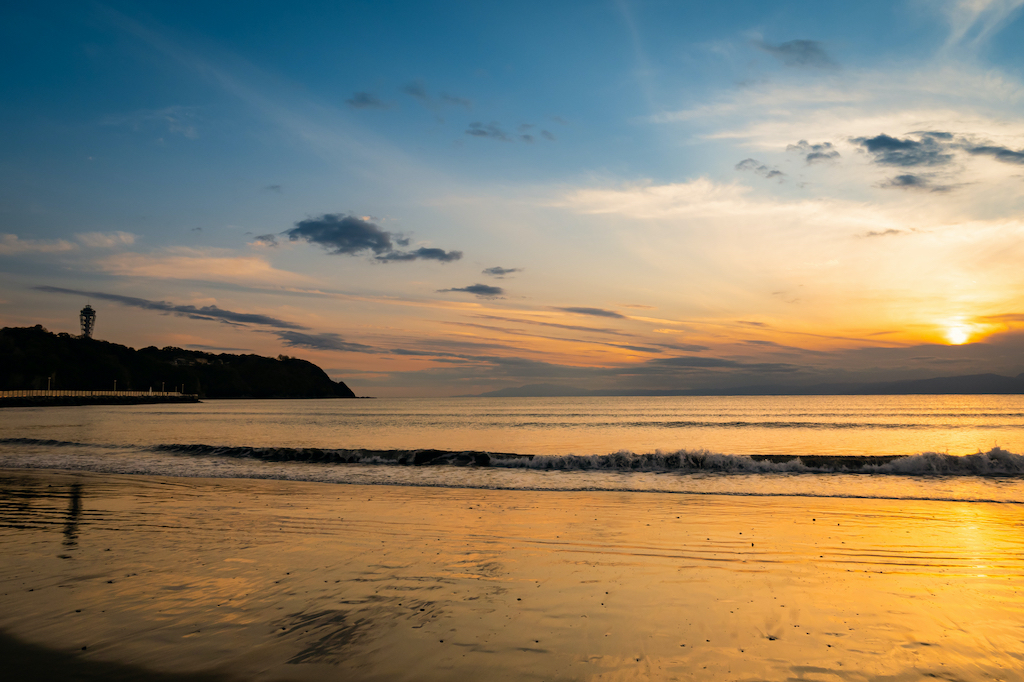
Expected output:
(676, 195)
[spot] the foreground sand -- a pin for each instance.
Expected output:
(121, 578)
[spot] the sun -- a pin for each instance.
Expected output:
(957, 335)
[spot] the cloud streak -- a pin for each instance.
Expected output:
(11, 245)
(209, 313)
(322, 341)
(479, 290)
(500, 272)
(593, 312)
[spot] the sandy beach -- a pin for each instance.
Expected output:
(131, 577)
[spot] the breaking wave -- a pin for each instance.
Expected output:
(995, 462)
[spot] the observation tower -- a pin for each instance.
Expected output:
(88, 320)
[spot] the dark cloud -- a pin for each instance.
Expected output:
(422, 253)
(342, 234)
(209, 312)
(527, 138)
(1004, 154)
(349, 235)
(365, 100)
(491, 130)
(498, 271)
(273, 188)
(800, 53)
(324, 341)
(891, 232)
(814, 153)
(916, 182)
(595, 312)
(481, 290)
(547, 136)
(755, 166)
(266, 239)
(931, 149)
(457, 101)
(416, 89)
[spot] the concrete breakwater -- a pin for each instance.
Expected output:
(46, 398)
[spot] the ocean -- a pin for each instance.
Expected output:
(925, 447)
(683, 538)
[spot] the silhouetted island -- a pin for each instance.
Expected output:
(34, 358)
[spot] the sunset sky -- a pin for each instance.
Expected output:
(454, 197)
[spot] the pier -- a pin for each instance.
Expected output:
(53, 397)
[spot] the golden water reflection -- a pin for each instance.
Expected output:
(272, 580)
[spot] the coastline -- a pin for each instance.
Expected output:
(71, 400)
(280, 580)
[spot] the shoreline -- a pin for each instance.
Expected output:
(65, 401)
(280, 580)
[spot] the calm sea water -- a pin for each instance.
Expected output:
(951, 447)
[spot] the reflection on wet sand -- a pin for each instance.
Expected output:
(290, 581)
(74, 516)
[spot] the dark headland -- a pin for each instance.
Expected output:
(32, 358)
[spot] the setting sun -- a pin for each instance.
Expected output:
(957, 335)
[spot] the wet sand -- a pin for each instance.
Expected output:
(131, 577)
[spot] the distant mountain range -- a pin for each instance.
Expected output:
(968, 384)
(33, 358)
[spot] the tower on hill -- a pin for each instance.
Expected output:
(88, 320)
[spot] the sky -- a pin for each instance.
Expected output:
(448, 198)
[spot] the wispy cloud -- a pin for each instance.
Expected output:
(106, 240)
(456, 101)
(210, 265)
(490, 130)
(973, 22)
(11, 244)
(180, 120)
(800, 53)
(366, 100)
(210, 312)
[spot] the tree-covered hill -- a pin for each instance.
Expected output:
(31, 355)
